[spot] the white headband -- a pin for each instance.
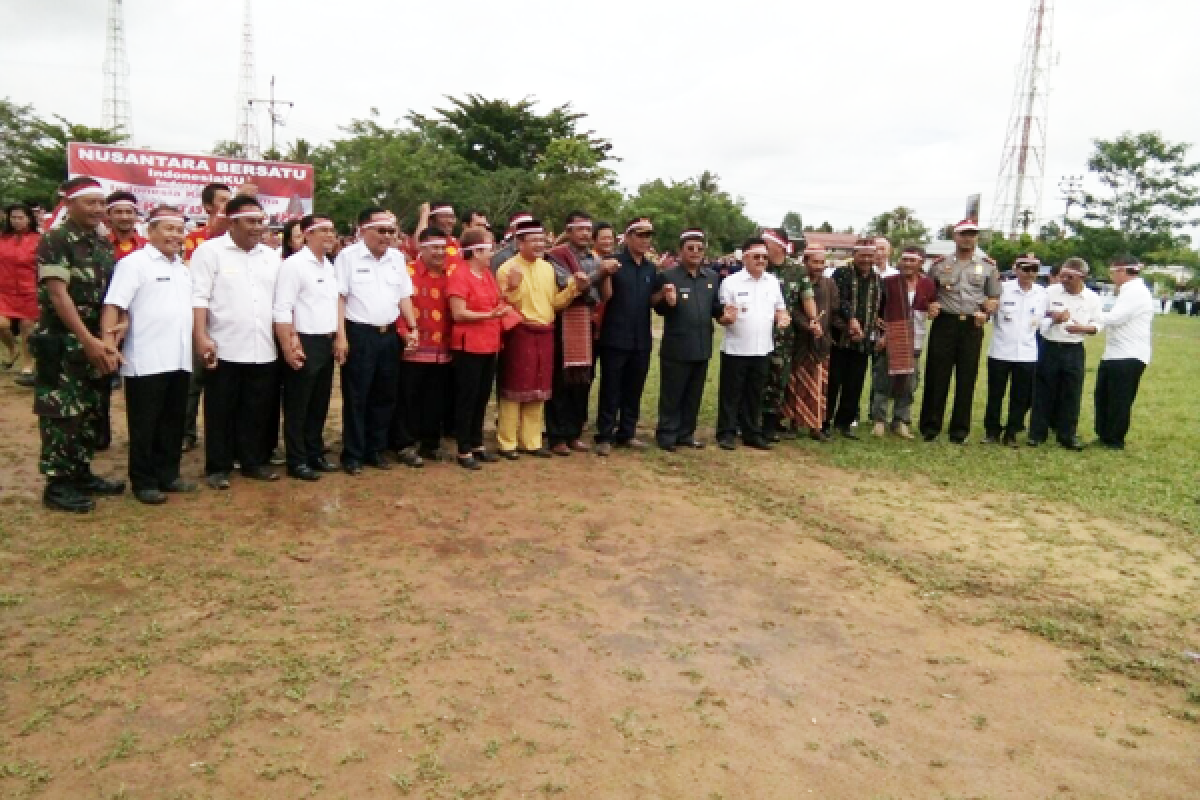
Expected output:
(116, 203)
(442, 210)
(756, 250)
(165, 218)
(639, 225)
(528, 231)
(771, 237)
(434, 242)
(582, 223)
(379, 223)
(247, 214)
(318, 225)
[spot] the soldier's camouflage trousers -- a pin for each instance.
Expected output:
(779, 372)
(68, 444)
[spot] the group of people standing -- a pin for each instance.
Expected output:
(422, 337)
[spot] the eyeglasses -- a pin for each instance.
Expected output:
(1029, 268)
(642, 234)
(755, 256)
(383, 231)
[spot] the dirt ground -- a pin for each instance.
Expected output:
(705, 625)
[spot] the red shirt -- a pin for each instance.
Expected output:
(122, 249)
(432, 313)
(482, 294)
(193, 240)
(19, 275)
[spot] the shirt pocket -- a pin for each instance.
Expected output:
(394, 277)
(362, 275)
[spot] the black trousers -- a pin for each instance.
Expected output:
(567, 408)
(306, 394)
(681, 388)
(474, 374)
(740, 396)
(843, 394)
(420, 414)
(368, 390)
(622, 379)
(156, 412)
(1000, 374)
(952, 352)
(1057, 391)
(237, 406)
(1117, 384)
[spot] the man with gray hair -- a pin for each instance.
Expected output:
(1073, 311)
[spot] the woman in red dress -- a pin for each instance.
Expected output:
(18, 285)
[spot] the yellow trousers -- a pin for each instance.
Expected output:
(520, 422)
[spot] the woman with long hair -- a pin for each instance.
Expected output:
(19, 239)
(293, 238)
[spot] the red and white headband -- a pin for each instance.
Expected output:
(248, 213)
(480, 246)
(639, 225)
(434, 242)
(755, 250)
(527, 231)
(580, 223)
(771, 236)
(166, 216)
(87, 190)
(441, 210)
(814, 250)
(385, 221)
(319, 224)
(690, 234)
(122, 203)
(865, 248)
(966, 226)
(1071, 272)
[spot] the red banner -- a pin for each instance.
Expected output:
(284, 190)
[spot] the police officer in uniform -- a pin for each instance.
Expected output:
(686, 299)
(75, 265)
(968, 290)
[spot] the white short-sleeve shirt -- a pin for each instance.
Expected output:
(1085, 309)
(757, 300)
(238, 289)
(373, 287)
(157, 293)
(306, 293)
(1016, 323)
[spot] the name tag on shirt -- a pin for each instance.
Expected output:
(231, 270)
(162, 278)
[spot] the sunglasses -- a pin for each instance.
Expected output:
(383, 231)
(1029, 268)
(642, 234)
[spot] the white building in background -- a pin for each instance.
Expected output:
(1181, 274)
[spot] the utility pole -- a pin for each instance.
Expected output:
(276, 117)
(1070, 186)
(247, 129)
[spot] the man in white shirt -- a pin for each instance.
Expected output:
(1013, 355)
(375, 289)
(1129, 325)
(154, 287)
(754, 305)
(306, 320)
(233, 292)
(1072, 312)
(883, 255)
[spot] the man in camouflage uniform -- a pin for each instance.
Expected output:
(798, 295)
(75, 265)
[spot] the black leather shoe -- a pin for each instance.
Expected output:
(848, 433)
(666, 447)
(322, 464)
(511, 455)
(425, 454)
(352, 467)
(378, 461)
(990, 439)
(409, 458)
(757, 444)
(62, 496)
(179, 486)
(303, 473)
(484, 457)
(693, 444)
(217, 480)
(727, 444)
(958, 440)
(468, 462)
(818, 435)
(1009, 440)
(541, 452)
(929, 437)
(94, 484)
(1074, 445)
(1033, 442)
(151, 497)
(260, 474)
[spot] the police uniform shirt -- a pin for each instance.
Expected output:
(1129, 324)
(688, 325)
(373, 287)
(1085, 309)
(157, 293)
(306, 293)
(238, 289)
(963, 286)
(757, 300)
(1017, 321)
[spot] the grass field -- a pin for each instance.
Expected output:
(870, 619)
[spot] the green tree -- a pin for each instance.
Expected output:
(793, 223)
(227, 148)
(33, 151)
(899, 226)
(696, 202)
(1149, 195)
(568, 176)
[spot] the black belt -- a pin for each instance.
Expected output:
(316, 335)
(390, 328)
(1061, 344)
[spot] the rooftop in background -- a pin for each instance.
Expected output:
(839, 242)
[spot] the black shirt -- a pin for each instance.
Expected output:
(688, 325)
(627, 313)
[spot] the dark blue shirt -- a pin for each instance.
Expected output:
(627, 313)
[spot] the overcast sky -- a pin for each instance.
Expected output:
(838, 110)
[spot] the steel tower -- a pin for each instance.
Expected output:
(247, 127)
(116, 115)
(1018, 201)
